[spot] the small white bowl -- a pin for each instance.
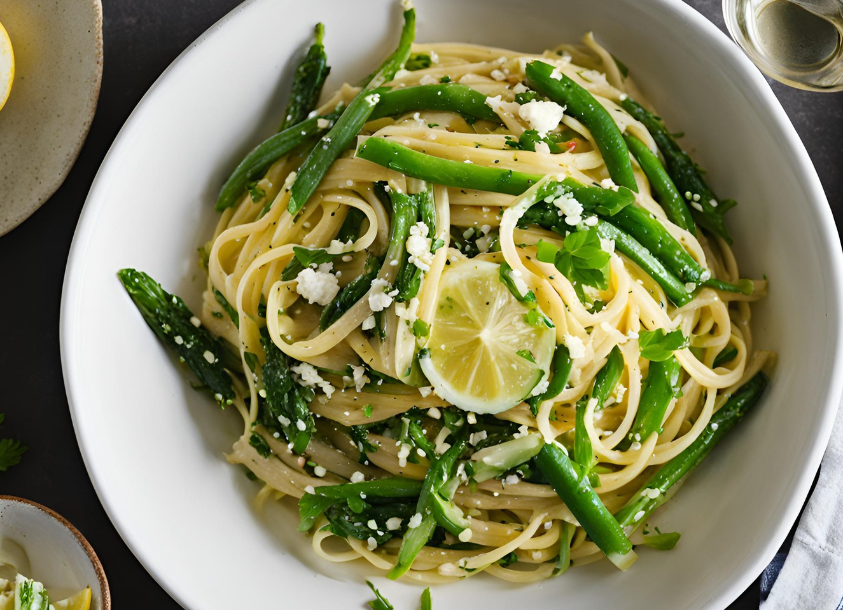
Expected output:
(59, 555)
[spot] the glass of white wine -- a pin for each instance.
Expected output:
(796, 42)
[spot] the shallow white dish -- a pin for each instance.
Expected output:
(58, 68)
(59, 556)
(153, 446)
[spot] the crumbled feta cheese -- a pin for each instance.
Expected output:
(541, 388)
(536, 555)
(575, 346)
(357, 477)
(359, 377)
(195, 321)
(418, 246)
(609, 184)
(373, 99)
(403, 454)
(499, 106)
(542, 116)
(465, 535)
(414, 521)
(319, 471)
(209, 356)
(369, 323)
(371, 543)
(607, 245)
(471, 417)
(338, 247)
(635, 446)
(317, 286)
(519, 88)
(309, 490)
(178, 340)
(714, 426)
(690, 287)
(556, 74)
(427, 79)
(512, 479)
(393, 523)
(432, 412)
(570, 208)
(542, 147)
(285, 421)
(322, 123)
(476, 437)
(309, 377)
(401, 74)
(301, 425)
(696, 206)
(439, 442)
(498, 75)
(639, 515)
(651, 493)
(379, 298)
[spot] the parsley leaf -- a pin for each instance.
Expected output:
(380, 602)
(367, 410)
(260, 444)
(657, 346)
(419, 61)
(531, 137)
(307, 257)
(10, 450)
(255, 192)
(445, 79)
(581, 259)
(421, 328)
(526, 355)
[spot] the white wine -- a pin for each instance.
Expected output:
(794, 37)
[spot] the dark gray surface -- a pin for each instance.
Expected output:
(142, 37)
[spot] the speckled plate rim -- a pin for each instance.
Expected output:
(70, 159)
(105, 591)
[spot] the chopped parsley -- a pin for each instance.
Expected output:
(255, 192)
(581, 259)
(260, 445)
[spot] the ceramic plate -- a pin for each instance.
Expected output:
(154, 447)
(58, 67)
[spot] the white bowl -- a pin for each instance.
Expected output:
(153, 446)
(59, 556)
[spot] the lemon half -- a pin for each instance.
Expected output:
(7, 66)
(480, 340)
(80, 601)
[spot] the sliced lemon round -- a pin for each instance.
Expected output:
(80, 601)
(7, 66)
(483, 353)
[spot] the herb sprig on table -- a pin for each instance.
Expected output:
(10, 450)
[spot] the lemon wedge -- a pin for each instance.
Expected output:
(80, 601)
(483, 355)
(7, 66)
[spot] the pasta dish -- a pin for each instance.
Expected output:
(479, 312)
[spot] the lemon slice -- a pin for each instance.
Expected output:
(80, 601)
(7, 66)
(480, 343)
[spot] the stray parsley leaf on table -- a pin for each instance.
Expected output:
(10, 451)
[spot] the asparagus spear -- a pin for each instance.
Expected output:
(604, 383)
(654, 492)
(582, 105)
(410, 277)
(707, 209)
(286, 403)
(393, 155)
(170, 319)
(570, 484)
(560, 368)
(669, 197)
(415, 538)
(259, 160)
(352, 120)
(307, 83)
(661, 386)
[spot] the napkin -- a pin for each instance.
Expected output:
(810, 575)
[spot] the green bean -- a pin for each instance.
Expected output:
(669, 197)
(726, 355)
(655, 491)
(450, 97)
(409, 279)
(574, 490)
(672, 286)
(707, 210)
(661, 387)
(746, 287)
(651, 234)
(307, 83)
(255, 164)
(604, 383)
(347, 127)
(560, 369)
(393, 155)
(581, 105)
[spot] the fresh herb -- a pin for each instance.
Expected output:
(421, 328)
(527, 355)
(367, 410)
(260, 445)
(10, 450)
(418, 61)
(307, 257)
(532, 317)
(251, 361)
(232, 313)
(255, 192)
(445, 79)
(657, 346)
(508, 559)
(526, 96)
(727, 355)
(380, 602)
(662, 542)
(581, 259)
(531, 137)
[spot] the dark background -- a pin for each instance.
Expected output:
(142, 37)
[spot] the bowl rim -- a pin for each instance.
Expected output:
(755, 84)
(105, 590)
